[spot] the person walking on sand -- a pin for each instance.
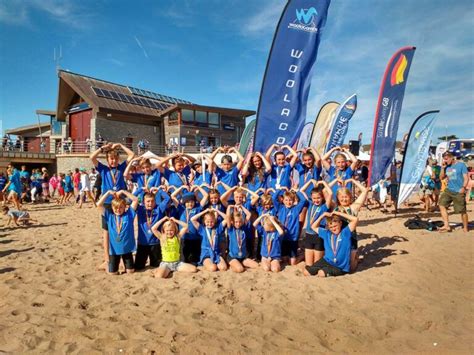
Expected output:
(455, 192)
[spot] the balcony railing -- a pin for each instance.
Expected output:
(53, 146)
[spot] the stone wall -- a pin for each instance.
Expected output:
(64, 163)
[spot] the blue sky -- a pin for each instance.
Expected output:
(214, 53)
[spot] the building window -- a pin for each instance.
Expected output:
(201, 118)
(187, 115)
(213, 120)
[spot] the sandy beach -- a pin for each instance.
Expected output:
(413, 292)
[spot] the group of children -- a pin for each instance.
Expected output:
(237, 215)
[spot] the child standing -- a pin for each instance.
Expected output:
(85, 188)
(148, 214)
(120, 240)
(170, 247)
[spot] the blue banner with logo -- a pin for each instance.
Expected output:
(341, 123)
(387, 114)
(281, 110)
(416, 153)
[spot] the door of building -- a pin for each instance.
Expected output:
(80, 129)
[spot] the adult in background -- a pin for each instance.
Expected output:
(457, 183)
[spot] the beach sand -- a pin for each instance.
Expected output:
(413, 292)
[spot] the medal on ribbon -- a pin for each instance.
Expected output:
(118, 226)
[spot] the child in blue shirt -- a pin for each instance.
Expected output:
(319, 201)
(191, 240)
(213, 241)
(271, 234)
(310, 167)
(120, 237)
(238, 232)
(340, 171)
(149, 213)
(337, 245)
(288, 214)
(256, 171)
(181, 173)
(146, 179)
(280, 175)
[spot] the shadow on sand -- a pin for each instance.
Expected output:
(374, 253)
(11, 251)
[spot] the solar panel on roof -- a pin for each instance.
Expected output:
(115, 95)
(129, 99)
(152, 95)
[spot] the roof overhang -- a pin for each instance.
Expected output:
(222, 110)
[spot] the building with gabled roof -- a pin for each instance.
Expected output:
(90, 107)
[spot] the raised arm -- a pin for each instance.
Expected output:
(359, 202)
(126, 174)
(352, 219)
(131, 196)
(276, 225)
(205, 196)
(195, 218)
(257, 221)
(96, 153)
(266, 163)
(174, 195)
(184, 227)
(317, 222)
(240, 158)
(157, 225)
(268, 153)
(317, 157)
(294, 155)
(324, 159)
(212, 164)
(130, 154)
(102, 199)
(225, 197)
(352, 158)
(223, 215)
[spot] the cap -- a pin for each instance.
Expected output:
(82, 169)
(196, 163)
(188, 196)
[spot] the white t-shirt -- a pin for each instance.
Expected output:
(85, 182)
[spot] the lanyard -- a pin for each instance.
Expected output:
(238, 233)
(118, 226)
(146, 179)
(335, 240)
(211, 236)
(270, 237)
(149, 218)
(114, 175)
(287, 218)
(313, 213)
(279, 174)
(182, 178)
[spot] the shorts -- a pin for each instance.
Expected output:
(174, 266)
(108, 207)
(354, 244)
(313, 242)
(191, 251)
(458, 199)
(329, 270)
(147, 251)
(393, 191)
(114, 261)
(289, 248)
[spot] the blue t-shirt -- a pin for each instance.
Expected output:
(272, 211)
(313, 213)
(344, 175)
(237, 241)
(146, 220)
(271, 243)
(290, 218)
(455, 174)
(210, 245)
(200, 179)
(254, 183)
(122, 242)
(15, 184)
(280, 176)
(341, 255)
(307, 174)
(112, 178)
(25, 175)
(177, 179)
(152, 180)
(230, 178)
(185, 215)
(68, 187)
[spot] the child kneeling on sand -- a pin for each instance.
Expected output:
(271, 234)
(337, 245)
(170, 247)
(120, 239)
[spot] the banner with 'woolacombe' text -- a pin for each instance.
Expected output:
(387, 114)
(281, 110)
